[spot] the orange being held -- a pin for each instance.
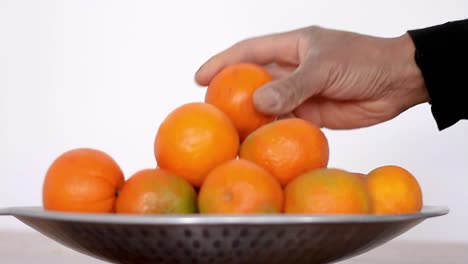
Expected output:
(327, 191)
(232, 89)
(82, 180)
(156, 191)
(287, 148)
(193, 139)
(240, 187)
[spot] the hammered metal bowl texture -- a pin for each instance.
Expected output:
(313, 240)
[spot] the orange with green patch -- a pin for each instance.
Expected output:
(156, 191)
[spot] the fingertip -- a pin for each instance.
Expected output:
(201, 78)
(207, 71)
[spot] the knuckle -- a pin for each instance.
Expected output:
(244, 49)
(313, 31)
(308, 39)
(244, 44)
(241, 45)
(300, 83)
(295, 90)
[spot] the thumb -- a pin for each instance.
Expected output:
(283, 96)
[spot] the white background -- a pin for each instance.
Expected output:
(104, 74)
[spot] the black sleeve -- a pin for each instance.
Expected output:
(442, 56)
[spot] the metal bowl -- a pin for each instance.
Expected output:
(220, 238)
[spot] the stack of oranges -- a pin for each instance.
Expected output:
(221, 156)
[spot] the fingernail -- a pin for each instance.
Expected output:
(268, 101)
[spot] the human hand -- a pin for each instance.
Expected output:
(335, 79)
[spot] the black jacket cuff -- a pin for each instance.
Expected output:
(442, 56)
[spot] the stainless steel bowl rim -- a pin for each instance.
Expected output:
(218, 219)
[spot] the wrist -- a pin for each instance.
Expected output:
(411, 80)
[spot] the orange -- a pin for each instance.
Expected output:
(232, 89)
(327, 191)
(287, 148)
(240, 187)
(156, 191)
(82, 180)
(193, 139)
(394, 190)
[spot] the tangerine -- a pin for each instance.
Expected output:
(156, 191)
(327, 191)
(232, 89)
(287, 148)
(394, 190)
(240, 187)
(193, 139)
(82, 180)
